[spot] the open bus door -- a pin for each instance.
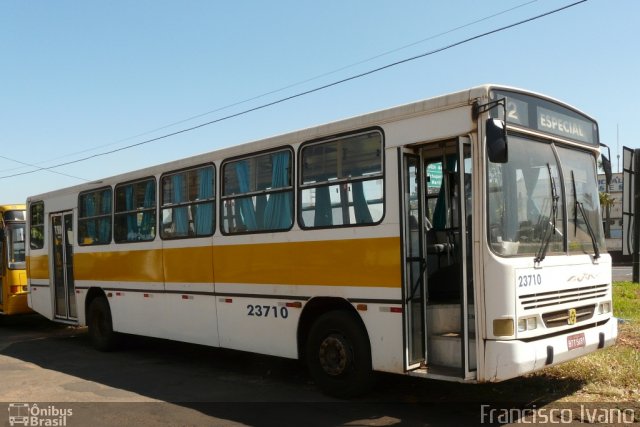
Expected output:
(439, 311)
(64, 298)
(414, 262)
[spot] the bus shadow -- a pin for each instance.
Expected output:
(250, 388)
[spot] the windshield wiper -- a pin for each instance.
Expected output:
(580, 208)
(549, 231)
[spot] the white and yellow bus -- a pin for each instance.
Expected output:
(13, 276)
(457, 238)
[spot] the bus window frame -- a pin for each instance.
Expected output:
(9, 244)
(39, 225)
(111, 213)
(382, 176)
(212, 200)
(251, 194)
(155, 209)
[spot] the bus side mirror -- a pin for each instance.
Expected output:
(496, 141)
(606, 165)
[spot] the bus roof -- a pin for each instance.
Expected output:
(16, 207)
(437, 103)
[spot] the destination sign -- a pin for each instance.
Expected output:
(434, 174)
(545, 116)
(559, 124)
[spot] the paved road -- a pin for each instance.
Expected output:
(56, 366)
(157, 382)
(622, 274)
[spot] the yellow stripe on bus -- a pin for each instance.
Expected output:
(38, 267)
(358, 262)
(190, 265)
(125, 266)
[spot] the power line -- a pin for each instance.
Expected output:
(307, 92)
(39, 168)
(244, 101)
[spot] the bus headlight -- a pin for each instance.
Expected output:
(604, 307)
(527, 324)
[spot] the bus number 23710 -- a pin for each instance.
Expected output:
(526, 280)
(267, 310)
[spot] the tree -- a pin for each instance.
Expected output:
(606, 201)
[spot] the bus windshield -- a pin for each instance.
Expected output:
(582, 201)
(15, 246)
(530, 203)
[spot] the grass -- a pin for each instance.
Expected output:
(626, 301)
(612, 374)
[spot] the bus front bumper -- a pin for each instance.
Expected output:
(16, 304)
(509, 359)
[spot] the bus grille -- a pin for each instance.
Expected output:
(548, 299)
(561, 318)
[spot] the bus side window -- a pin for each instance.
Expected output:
(342, 181)
(188, 203)
(94, 217)
(36, 233)
(135, 211)
(257, 193)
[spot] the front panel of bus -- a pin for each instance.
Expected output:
(547, 275)
(13, 281)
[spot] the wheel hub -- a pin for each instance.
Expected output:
(334, 355)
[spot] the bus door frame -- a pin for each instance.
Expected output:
(65, 252)
(469, 371)
(414, 315)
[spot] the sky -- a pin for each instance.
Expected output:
(80, 78)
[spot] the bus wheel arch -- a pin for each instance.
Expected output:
(99, 321)
(335, 345)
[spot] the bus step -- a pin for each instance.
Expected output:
(446, 349)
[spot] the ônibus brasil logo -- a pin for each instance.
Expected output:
(27, 414)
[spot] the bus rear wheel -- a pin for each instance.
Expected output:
(100, 325)
(338, 355)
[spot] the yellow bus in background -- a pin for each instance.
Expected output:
(13, 279)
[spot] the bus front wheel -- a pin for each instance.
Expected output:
(338, 355)
(100, 325)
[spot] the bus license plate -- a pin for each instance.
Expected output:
(576, 341)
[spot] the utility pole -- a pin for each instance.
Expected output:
(618, 145)
(636, 211)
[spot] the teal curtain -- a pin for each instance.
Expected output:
(149, 217)
(277, 213)
(245, 204)
(89, 211)
(440, 211)
(323, 215)
(104, 224)
(360, 206)
(132, 225)
(261, 205)
(204, 211)
(180, 214)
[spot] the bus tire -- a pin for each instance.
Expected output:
(100, 325)
(338, 355)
